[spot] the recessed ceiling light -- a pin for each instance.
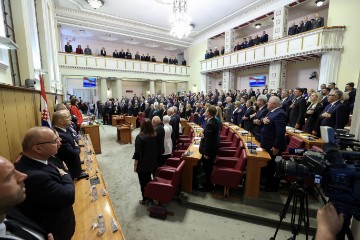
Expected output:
(152, 45)
(108, 37)
(131, 41)
(319, 3)
(258, 25)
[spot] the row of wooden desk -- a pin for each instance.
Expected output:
(254, 161)
(87, 210)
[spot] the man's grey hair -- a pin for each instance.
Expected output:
(166, 119)
(262, 98)
(276, 100)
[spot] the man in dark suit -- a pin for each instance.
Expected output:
(216, 52)
(69, 151)
(251, 42)
(300, 27)
(50, 192)
(273, 139)
(137, 56)
(229, 108)
(350, 89)
(174, 122)
(128, 54)
(307, 25)
(68, 48)
(318, 21)
(209, 146)
(211, 54)
(297, 109)
(264, 38)
(196, 111)
(286, 101)
(12, 193)
(292, 29)
(244, 44)
(130, 111)
(336, 114)
(147, 110)
(160, 135)
(206, 56)
(237, 47)
(259, 115)
(324, 92)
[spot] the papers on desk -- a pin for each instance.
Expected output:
(291, 129)
(243, 132)
(196, 146)
(197, 138)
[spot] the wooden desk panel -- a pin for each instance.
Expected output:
(303, 136)
(94, 132)
(86, 210)
(132, 120)
(190, 162)
(254, 164)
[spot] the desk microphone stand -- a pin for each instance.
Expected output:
(252, 150)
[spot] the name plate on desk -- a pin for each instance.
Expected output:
(94, 181)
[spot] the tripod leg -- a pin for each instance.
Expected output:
(284, 210)
(306, 217)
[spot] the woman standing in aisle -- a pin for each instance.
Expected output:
(145, 155)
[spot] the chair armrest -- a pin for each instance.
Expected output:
(178, 153)
(226, 153)
(167, 173)
(225, 144)
(173, 162)
(227, 163)
(227, 177)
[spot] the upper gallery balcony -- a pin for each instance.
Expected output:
(81, 61)
(317, 41)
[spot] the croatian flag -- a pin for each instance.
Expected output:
(45, 117)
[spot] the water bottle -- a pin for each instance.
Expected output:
(101, 225)
(94, 193)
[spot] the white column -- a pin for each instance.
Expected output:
(209, 44)
(103, 90)
(203, 86)
(152, 87)
(280, 22)
(163, 88)
(277, 74)
(229, 40)
(208, 83)
(329, 67)
(228, 81)
(118, 88)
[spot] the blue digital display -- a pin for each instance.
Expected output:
(257, 81)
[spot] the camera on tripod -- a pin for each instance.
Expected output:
(340, 179)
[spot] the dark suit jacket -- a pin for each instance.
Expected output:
(246, 124)
(293, 30)
(286, 104)
(69, 153)
(339, 116)
(264, 38)
(15, 215)
(241, 113)
(273, 134)
(160, 135)
(146, 153)
(209, 144)
(318, 22)
(297, 114)
(257, 128)
(103, 53)
(324, 102)
(49, 198)
(68, 48)
(130, 110)
(174, 122)
(306, 26)
(147, 112)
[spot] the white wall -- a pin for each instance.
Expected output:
(170, 88)
(136, 87)
(242, 77)
(297, 75)
(183, 86)
(323, 13)
(77, 83)
(110, 47)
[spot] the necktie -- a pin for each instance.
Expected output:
(328, 107)
(15, 229)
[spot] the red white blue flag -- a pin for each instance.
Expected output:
(45, 116)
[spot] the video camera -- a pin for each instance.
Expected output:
(340, 179)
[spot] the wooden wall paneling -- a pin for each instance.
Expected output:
(30, 109)
(21, 113)
(37, 109)
(4, 143)
(12, 123)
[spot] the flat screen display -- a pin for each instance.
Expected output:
(89, 82)
(257, 81)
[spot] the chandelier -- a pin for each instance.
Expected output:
(95, 3)
(180, 20)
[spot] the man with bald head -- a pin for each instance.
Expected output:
(160, 135)
(69, 151)
(272, 139)
(50, 191)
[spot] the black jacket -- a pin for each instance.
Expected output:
(160, 135)
(146, 153)
(209, 144)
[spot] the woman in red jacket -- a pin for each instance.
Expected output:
(75, 111)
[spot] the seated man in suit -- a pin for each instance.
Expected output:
(50, 192)
(69, 151)
(13, 223)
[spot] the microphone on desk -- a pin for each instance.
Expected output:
(252, 150)
(297, 151)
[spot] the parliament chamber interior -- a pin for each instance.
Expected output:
(159, 119)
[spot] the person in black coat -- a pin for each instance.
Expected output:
(246, 121)
(160, 135)
(11, 194)
(307, 25)
(273, 139)
(50, 192)
(318, 22)
(69, 151)
(312, 113)
(209, 146)
(300, 27)
(251, 42)
(196, 111)
(68, 48)
(216, 52)
(145, 155)
(137, 56)
(286, 101)
(293, 29)
(258, 116)
(174, 122)
(130, 111)
(115, 54)
(103, 52)
(147, 110)
(352, 94)
(264, 38)
(297, 110)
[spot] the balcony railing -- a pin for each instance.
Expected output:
(316, 41)
(118, 64)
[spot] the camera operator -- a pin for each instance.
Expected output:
(329, 222)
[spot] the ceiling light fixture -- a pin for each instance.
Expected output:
(180, 20)
(258, 25)
(95, 3)
(319, 3)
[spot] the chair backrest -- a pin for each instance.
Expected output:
(230, 135)
(295, 143)
(191, 118)
(241, 163)
(224, 130)
(177, 175)
(238, 152)
(235, 141)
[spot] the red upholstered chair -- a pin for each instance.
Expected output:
(229, 154)
(174, 160)
(234, 143)
(182, 136)
(229, 137)
(294, 143)
(165, 185)
(229, 173)
(224, 132)
(191, 118)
